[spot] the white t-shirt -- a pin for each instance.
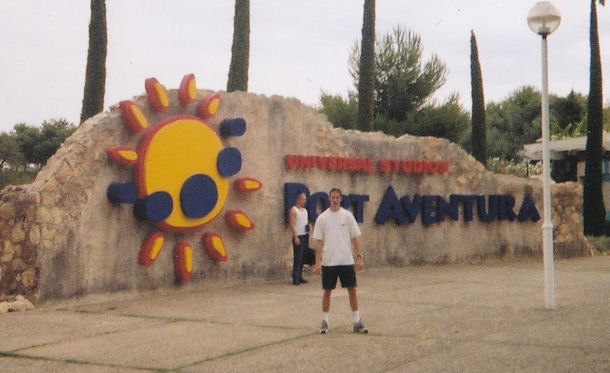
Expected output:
(336, 229)
(300, 223)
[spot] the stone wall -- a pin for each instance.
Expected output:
(61, 237)
(20, 239)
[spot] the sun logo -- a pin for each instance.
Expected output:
(181, 172)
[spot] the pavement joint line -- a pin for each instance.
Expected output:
(540, 345)
(169, 320)
(185, 319)
(153, 317)
(245, 350)
(77, 362)
(423, 356)
(110, 332)
(337, 332)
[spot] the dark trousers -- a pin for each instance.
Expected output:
(298, 250)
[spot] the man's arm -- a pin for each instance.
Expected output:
(359, 258)
(319, 245)
(293, 229)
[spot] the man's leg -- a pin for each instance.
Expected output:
(353, 301)
(329, 281)
(297, 263)
(351, 283)
(325, 311)
(304, 246)
(326, 301)
(353, 298)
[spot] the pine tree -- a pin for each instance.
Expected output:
(593, 199)
(240, 50)
(366, 83)
(95, 80)
(479, 130)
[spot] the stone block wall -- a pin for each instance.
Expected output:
(18, 244)
(60, 237)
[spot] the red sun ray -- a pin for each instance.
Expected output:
(213, 245)
(188, 89)
(132, 116)
(247, 185)
(157, 95)
(208, 106)
(239, 220)
(183, 261)
(123, 155)
(150, 248)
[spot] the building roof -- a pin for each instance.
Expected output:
(559, 148)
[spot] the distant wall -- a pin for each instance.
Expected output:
(61, 236)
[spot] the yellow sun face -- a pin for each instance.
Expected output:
(196, 182)
(181, 173)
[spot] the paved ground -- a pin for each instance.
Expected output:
(454, 318)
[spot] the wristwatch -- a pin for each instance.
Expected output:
(360, 256)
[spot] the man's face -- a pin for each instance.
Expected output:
(335, 201)
(301, 200)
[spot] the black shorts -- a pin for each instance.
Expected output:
(346, 274)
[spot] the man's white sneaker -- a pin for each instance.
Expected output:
(359, 328)
(324, 327)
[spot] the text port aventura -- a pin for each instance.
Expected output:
(430, 209)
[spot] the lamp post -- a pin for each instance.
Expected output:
(543, 19)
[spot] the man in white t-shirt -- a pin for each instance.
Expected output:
(298, 219)
(335, 233)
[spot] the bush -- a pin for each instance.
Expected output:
(601, 243)
(512, 167)
(12, 177)
(339, 111)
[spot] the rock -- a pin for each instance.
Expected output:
(18, 234)
(7, 211)
(19, 304)
(8, 250)
(28, 278)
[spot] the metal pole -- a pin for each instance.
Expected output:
(547, 226)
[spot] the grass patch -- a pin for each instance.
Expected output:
(601, 243)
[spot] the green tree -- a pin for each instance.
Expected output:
(593, 199)
(10, 153)
(39, 144)
(366, 83)
(27, 137)
(403, 83)
(54, 132)
(339, 111)
(479, 130)
(403, 87)
(95, 81)
(568, 114)
(448, 120)
(240, 50)
(513, 123)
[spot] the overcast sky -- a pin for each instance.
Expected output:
(297, 48)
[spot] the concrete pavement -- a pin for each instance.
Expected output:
(456, 318)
